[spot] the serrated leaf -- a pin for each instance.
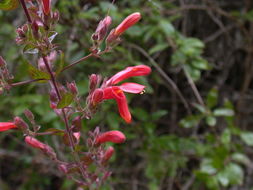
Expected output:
(8, 5)
(223, 112)
(66, 100)
(36, 73)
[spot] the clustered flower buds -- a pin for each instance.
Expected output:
(37, 36)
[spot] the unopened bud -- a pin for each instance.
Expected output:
(63, 168)
(94, 80)
(29, 115)
(72, 87)
(108, 154)
(111, 136)
(2, 62)
(53, 96)
(20, 33)
(33, 142)
(97, 96)
(35, 29)
(102, 29)
(56, 16)
(21, 124)
(127, 22)
(77, 124)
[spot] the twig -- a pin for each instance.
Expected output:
(76, 62)
(163, 74)
(26, 82)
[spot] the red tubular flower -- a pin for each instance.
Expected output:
(35, 143)
(108, 154)
(5, 126)
(126, 23)
(46, 5)
(114, 92)
(111, 136)
(128, 72)
(117, 92)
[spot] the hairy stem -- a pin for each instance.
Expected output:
(25, 82)
(76, 62)
(22, 2)
(69, 132)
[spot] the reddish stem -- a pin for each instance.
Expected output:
(26, 11)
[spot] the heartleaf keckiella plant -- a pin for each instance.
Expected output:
(37, 35)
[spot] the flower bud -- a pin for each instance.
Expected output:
(111, 136)
(108, 154)
(63, 168)
(33, 142)
(56, 16)
(29, 115)
(102, 29)
(127, 22)
(2, 62)
(19, 122)
(5, 126)
(72, 87)
(77, 124)
(97, 96)
(94, 80)
(35, 29)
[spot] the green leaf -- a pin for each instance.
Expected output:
(158, 47)
(189, 121)
(247, 138)
(226, 137)
(223, 112)
(30, 49)
(240, 158)
(7, 5)
(231, 175)
(211, 121)
(66, 100)
(200, 108)
(167, 27)
(212, 98)
(36, 73)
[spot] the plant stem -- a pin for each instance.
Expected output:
(69, 132)
(76, 62)
(26, 11)
(25, 82)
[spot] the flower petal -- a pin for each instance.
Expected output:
(129, 72)
(132, 87)
(4, 126)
